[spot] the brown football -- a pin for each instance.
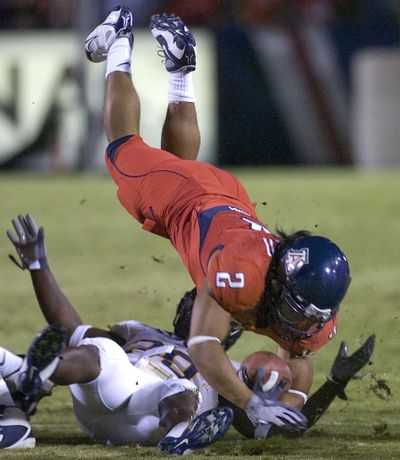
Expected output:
(276, 370)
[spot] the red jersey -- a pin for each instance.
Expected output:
(209, 218)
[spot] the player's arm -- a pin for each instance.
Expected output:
(302, 369)
(302, 375)
(209, 327)
(344, 368)
(29, 243)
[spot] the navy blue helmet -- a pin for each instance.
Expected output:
(312, 277)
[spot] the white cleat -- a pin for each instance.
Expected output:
(119, 23)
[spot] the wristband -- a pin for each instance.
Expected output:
(299, 393)
(39, 264)
(198, 339)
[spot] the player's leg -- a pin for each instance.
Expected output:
(48, 358)
(11, 367)
(122, 405)
(113, 40)
(121, 106)
(180, 133)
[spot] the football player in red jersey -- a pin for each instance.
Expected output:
(288, 287)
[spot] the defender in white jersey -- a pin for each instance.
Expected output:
(148, 393)
(124, 404)
(164, 355)
(151, 366)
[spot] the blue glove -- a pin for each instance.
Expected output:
(28, 241)
(264, 413)
(264, 410)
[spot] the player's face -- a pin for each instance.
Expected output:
(296, 316)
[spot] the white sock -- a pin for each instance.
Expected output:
(5, 395)
(9, 362)
(180, 87)
(119, 56)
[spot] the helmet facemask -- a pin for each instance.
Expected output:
(295, 315)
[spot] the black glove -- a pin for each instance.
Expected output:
(28, 241)
(346, 367)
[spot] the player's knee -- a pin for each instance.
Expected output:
(177, 408)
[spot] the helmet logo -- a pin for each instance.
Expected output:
(295, 259)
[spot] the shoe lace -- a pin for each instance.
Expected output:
(160, 53)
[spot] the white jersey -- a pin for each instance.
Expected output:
(161, 353)
(121, 405)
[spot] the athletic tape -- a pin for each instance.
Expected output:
(197, 339)
(299, 393)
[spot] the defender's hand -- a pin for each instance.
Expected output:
(28, 241)
(346, 367)
(264, 413)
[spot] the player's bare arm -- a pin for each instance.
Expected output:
(212, 323)
(55, 307)
(302, 368)
(28, 240)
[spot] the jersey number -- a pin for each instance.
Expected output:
(180, 364)
(222, 277)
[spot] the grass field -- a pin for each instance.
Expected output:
(111, 270)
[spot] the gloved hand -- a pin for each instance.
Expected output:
(264, 410)
(264, 413)
(346, 367)
(274, 393)
(28, 241)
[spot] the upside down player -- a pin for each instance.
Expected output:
(108, 403)
(287, 287)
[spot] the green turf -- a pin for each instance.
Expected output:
(111, 270)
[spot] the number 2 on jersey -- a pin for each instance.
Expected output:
(221, 278)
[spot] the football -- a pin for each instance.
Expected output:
(276, 370)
